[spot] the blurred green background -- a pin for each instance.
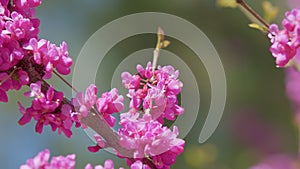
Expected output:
(257, 120)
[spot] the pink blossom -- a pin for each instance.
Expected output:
(59, 162)
(50, 56)
(109, 103)
(100, 144)
(36, 47)
(87, 101)
(19, 27)
(108, 164)
(64, 62)
(47, 109)
(157, 93)
(13, 81)
(148, 137)
(40, 161)
(26, 7)
(139, 165)
(130, 81)
(285, 42)
(22, 79)
(145, 73)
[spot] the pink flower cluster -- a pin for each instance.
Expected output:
(149, 138)
(40, 161)
(154, 92)
(23, 57)
(153, 97)
(50, 56)
(47, 109)
(108, 164)
(285, 42)
(27, 60)
(109, 103)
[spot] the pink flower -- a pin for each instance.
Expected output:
(157, 93)
(87, 101)
(108, 164)
(130, 81)
(40, 161)
(285, 42)
(59, 162)
(19, 27)
(109, 103)
(36, 47)
(64, 62)
(47, 109)
(139, 165)
(148, 138)
(50, 56)
(145, 73)
(100, 144)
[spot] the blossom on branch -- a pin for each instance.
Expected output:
(47, 109)
(156, 91)
(285, 42)
(149, 139)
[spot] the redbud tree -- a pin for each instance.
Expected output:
(144, 140)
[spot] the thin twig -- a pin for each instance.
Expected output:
(65, 81)
(255, 14)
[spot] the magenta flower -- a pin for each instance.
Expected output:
(285, 42)
(130, 81)
(139, 165)
(36, 47)
(157, 93)
(109, 103)
(145, 73)
(15, 81)
(40, 161)
(59, 162)
(26, 7)
(148, 138)
(108, 164)
(100, 144)
(22, 54)
(47, 109)
(19, 28)
(87, 101)
(50, 56)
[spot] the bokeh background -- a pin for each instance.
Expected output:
(257, 120)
